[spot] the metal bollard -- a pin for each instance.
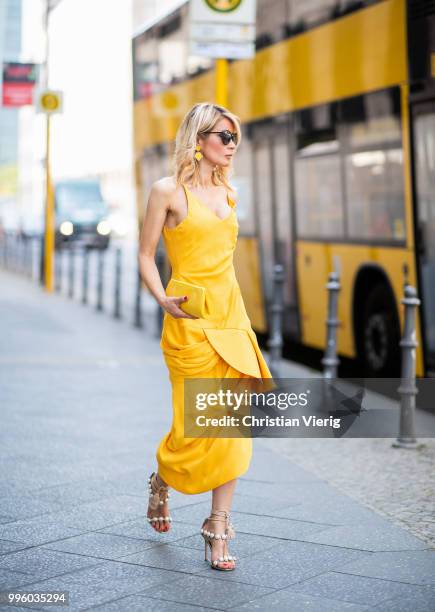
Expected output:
(57, 271)
(13, 253)
(30, 257)
(63, 266)
(16, 266)
(42, 259)
(4, 249)
(20, 245)
(407, 388)
(85, 276)
(27, 256)
(100, 280)
(19, 264)
(71, 270)
(137, 305)
(16, 253)
(23, 255)
(330, 361)
(117, 310)
(10, 252)
(19, 253)
(275, 341)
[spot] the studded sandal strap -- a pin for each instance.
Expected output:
(230, 533)
(230, 527)
(156, 491)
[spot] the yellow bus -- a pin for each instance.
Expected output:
(336, 167)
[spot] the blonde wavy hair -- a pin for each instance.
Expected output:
(201, 118)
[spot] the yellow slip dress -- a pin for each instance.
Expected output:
(220, 345)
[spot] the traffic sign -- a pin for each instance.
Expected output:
(223, 28)
(49, 101)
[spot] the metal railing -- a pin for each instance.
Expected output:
(98, 277)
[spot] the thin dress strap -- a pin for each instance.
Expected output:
(165, 228)
(186, 191)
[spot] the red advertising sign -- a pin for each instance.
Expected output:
(18, 83)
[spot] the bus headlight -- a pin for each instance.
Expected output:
(66, 228)
(103, 228)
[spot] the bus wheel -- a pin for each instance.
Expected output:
(380, 352)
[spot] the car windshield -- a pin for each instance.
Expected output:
(80, 196)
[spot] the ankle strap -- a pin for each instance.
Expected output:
(220, 518)
(155, 480)
(229, 529)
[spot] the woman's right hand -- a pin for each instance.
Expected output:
(171, 305)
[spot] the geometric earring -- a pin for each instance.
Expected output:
(198, 154)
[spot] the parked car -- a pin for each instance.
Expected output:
(81, 214)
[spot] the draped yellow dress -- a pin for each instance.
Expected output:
(220, 345)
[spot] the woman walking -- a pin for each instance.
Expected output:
(195, 210)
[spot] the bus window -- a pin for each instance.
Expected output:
(374, 166)
(424, 148)
(375, 194)
(242, 182)
(284, 230)
(372, 119)
(319, 206)
(318, 191)
(262, 189)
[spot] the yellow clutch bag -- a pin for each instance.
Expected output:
(195, 305)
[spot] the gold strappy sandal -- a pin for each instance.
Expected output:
(222, 562)
(158, 496)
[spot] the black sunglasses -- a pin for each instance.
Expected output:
(226, 136)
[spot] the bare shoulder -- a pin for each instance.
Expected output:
(167, 189)
(163, 187)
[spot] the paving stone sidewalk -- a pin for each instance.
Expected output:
(397, 483)
(84, 402)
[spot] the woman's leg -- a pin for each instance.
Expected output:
(222, 498)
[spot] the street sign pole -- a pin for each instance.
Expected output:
(49, 217)
(49, 207)
(222, 81)
(223, 30)
(48, 102)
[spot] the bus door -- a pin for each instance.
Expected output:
(424, 177)
(273, 213)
